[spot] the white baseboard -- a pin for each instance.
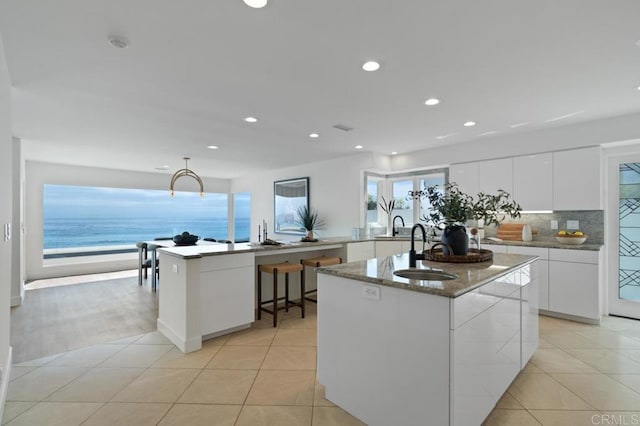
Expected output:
(4, 381)
(185, 345)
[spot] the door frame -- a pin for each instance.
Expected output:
(612, 160)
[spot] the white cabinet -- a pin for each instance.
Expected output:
(576, 179)
(362, 250)
(543, 270)
(496, 248)
(529, 320)
(574, 284)
(466, 176)
(494, 175)
(533, 181)
(389, 248)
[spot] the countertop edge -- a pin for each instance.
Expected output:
(333, 270)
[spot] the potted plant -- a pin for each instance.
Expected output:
(451, 208)
(309, 220)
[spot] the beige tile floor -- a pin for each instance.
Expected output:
(580, 375)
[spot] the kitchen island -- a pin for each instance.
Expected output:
(406, 352)
(209, 290)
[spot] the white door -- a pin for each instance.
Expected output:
(623, 228)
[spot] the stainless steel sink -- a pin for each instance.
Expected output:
(425, 274)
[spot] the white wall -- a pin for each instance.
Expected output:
(591, 133)
(5, 217)
(37, 174)
(17, 257)
(336, 188)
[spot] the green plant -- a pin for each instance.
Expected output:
(308, 218)
(450, 206)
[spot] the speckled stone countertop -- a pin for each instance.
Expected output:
(214, 249)
(470, 275)
(545, 243)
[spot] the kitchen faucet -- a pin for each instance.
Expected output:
(394, 232)
(412, 253)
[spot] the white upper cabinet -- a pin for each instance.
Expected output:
(466, 176)
(533, 181)
(576, 179)
(494, 175)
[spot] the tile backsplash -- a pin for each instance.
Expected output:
(591, 222)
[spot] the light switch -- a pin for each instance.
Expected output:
(554, 224)
(573, 224)
(175, 268)
(7, 231)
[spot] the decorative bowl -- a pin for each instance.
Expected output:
(574, 240)
(185, 239)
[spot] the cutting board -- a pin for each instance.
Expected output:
(511, 231)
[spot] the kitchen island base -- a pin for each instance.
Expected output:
(388, 355)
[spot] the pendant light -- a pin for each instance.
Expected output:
(185, 172)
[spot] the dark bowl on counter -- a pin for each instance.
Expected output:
(185, 239)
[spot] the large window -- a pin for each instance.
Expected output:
(398, 187)
(242, 216)
(81, 217)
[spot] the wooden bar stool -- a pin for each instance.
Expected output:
(275, 269)
(316, 262)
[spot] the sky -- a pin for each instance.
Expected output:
(62, 201)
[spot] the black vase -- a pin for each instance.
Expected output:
(455, 236)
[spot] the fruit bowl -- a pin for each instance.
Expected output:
(571, 239)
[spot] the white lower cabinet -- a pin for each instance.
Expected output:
(362, 250)
(543, 270)
(575, 284)
(389, 248)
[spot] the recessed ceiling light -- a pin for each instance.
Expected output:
(371, 66)
(118, 42)
(358, 147)
(251, 120)
(394, 152)
(213, 147)
(638, 87)
(432, 101)
(256, 4)
(314, 135)
(444, 136)
(469, 124)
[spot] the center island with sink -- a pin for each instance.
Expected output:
(434, 344)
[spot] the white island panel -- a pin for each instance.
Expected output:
(393, 350)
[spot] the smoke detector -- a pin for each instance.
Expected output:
(118, 42)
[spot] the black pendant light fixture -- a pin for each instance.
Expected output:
(185, 172)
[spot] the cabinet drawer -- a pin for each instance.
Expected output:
(578, 256)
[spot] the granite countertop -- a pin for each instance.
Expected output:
(545, 242)
(196, 251)
(470, 275)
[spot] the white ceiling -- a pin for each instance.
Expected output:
(195, 68)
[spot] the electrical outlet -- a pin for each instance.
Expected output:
(370, 292)
(554, 224)
(573, 224)
(175, 268)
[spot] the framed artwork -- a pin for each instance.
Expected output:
(288, 196)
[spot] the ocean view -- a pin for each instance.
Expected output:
(92, 216)
(79, 232)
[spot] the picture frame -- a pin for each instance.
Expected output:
(288, 196)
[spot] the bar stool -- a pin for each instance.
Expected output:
(316, 262)
(275, 269)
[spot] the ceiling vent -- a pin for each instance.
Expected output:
(343, 127)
